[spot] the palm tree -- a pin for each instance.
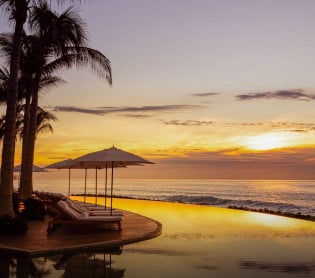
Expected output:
(42, 117)
(17, 10)
(59, 41)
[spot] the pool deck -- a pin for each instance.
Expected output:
(37, 243)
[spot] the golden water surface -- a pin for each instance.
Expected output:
(204, 241)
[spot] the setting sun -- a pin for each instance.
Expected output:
(266, 141)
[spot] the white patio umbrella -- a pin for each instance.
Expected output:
(111, 157)
(64, 164)
(71, 164)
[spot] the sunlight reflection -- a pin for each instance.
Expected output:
(273, 220)
(212, 222)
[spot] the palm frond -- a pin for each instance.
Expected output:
(58, 31)
(8, 6)
(4, 74)
(6, 43)
(81, 57)
(49, 81)
(98, 62)
(43, 119)
(4, 79)
(45, 128)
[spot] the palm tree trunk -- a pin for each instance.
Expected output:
(26, 183)
(25, 142)
(6, 188)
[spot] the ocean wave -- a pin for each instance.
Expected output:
(252, 204)
(199, 200)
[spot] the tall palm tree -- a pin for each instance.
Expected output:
(59, 41)
(17, 10)
(45, 26)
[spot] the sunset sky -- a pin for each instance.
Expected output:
(204, 88)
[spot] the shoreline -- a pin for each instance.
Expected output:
(278, 213)
(298, 215)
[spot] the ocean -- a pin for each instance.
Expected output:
(286, 196)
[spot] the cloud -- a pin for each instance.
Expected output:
(235, 156)
(77, 110)
(204, 94)
(126, 111)
(296, 94)
(137, 116)
(57, 157)
(288, 163)
(188, 123)
(282, 126)
(182, 162)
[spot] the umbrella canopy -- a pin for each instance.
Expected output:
(111, 157)
(64, 164)
(72, 164)
(67, 164)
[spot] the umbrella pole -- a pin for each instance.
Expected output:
(85, 185)
(111, 190)
(96, 186)
(105, 187)
(69, 182)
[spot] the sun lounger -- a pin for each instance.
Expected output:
(79, 207)
(70, 216)
(50, 197)
(93, 206)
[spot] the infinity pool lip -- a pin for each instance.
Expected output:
(36, 242)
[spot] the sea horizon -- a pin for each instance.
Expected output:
(283, 196)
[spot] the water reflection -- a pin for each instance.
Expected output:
(94, 264)
(303, 268)
(196, 241)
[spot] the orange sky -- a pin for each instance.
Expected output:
(206, 89)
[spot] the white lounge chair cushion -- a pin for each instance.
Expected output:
(85, 215)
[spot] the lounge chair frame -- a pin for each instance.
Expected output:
(67, 216)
